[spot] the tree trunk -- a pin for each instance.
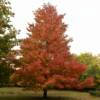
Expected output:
(44, 93)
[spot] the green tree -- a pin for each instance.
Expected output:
(86, 58)
(93, 63)
(7, 40)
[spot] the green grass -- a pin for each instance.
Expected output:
(20, 94)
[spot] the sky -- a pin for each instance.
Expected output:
(82, 17)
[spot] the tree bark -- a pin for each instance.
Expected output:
(44, 93)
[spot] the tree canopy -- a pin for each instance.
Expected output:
(7, 40)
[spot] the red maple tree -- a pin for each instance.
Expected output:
(48, 62)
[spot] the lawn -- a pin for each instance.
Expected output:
(20, 94)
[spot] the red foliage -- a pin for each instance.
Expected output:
(46, 55)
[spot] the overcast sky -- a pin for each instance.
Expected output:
(82, 16)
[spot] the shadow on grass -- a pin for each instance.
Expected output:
(34, 98)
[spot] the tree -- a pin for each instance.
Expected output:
(7, 40)
(48, 62)
(93, 63)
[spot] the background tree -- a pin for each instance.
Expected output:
(7, 41)
(93, 63)
(48, 62)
